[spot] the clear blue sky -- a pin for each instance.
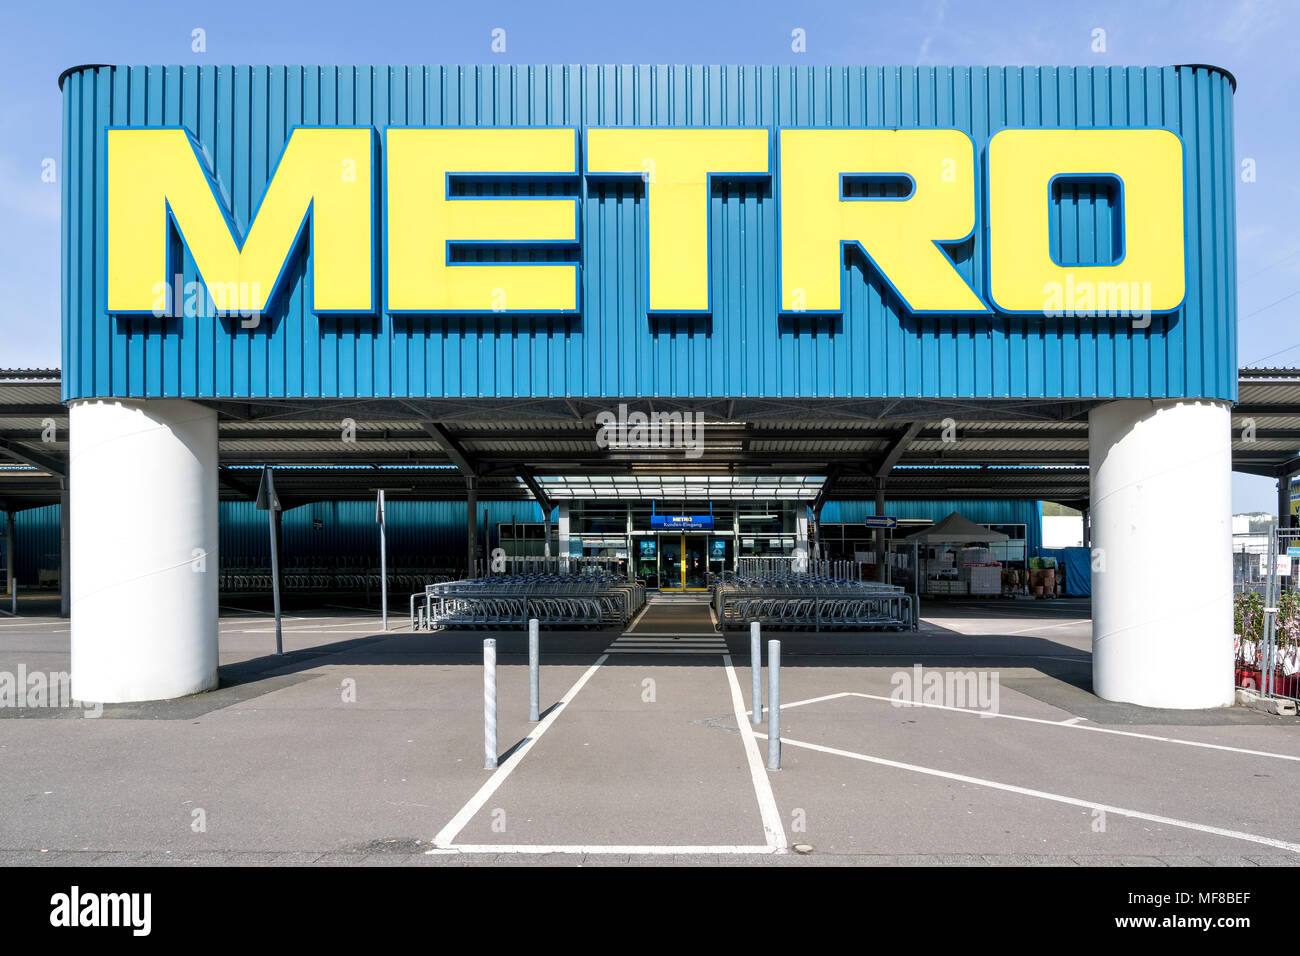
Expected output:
(1256, 40)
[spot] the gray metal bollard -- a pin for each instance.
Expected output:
(534, 670)
(489, 704)
(773, 705)
(13, 600)
(756, 668)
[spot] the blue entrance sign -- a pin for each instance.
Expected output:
(682, 522)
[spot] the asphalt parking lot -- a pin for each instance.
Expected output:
(363, 747)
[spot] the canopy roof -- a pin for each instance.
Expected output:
(955, 528)
(831, 450)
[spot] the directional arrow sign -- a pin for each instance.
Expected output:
(267, 499)
(880, 521)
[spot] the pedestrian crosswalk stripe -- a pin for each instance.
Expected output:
(666, 643)
(671, 634)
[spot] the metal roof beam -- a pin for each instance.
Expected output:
(542, 499)
(371, 433)
(52, 410)
(1264, 471)
(21, 453)
(452, 449)
(234, 484)
(1266, 408)
(824, 495)
(897, 448)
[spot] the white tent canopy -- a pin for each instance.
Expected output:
(955, 528)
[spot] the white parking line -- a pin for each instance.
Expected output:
(448, 833)
(810, 700)
(1038, 627)
(375, 627)
(1071, 723)
(1044, 795)
(773, 829)
(250, 610)
(1092, 728)
(631, 625)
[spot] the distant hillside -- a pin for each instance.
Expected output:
(1260, 521)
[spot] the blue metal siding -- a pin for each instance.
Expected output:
(1027, 513)
(37, 543)
(242, 116)
(435, 530)
(430, 530)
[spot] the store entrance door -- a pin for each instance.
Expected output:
(683, 562)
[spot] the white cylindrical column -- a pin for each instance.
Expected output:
(144, 570)
(801, 535)
(1162, 566)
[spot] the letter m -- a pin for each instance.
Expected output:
(116, 909)
(156, 179)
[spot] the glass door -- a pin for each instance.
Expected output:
(683, 562)
(695, 562)
(670, 562)
(647, 560)
(721, 554)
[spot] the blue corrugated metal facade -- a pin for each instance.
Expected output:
(242, 116)
(1028, 513)
(433, 532)
(37, 543)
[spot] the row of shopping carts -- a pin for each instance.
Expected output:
(812, 602)
(555, 600)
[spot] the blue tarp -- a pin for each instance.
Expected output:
(1078, 572)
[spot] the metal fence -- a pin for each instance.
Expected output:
(514, 565)
(349, 575)
(1249, 552)
(812, 601)
(1266, 613)
(767, 565)
(353, 574)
